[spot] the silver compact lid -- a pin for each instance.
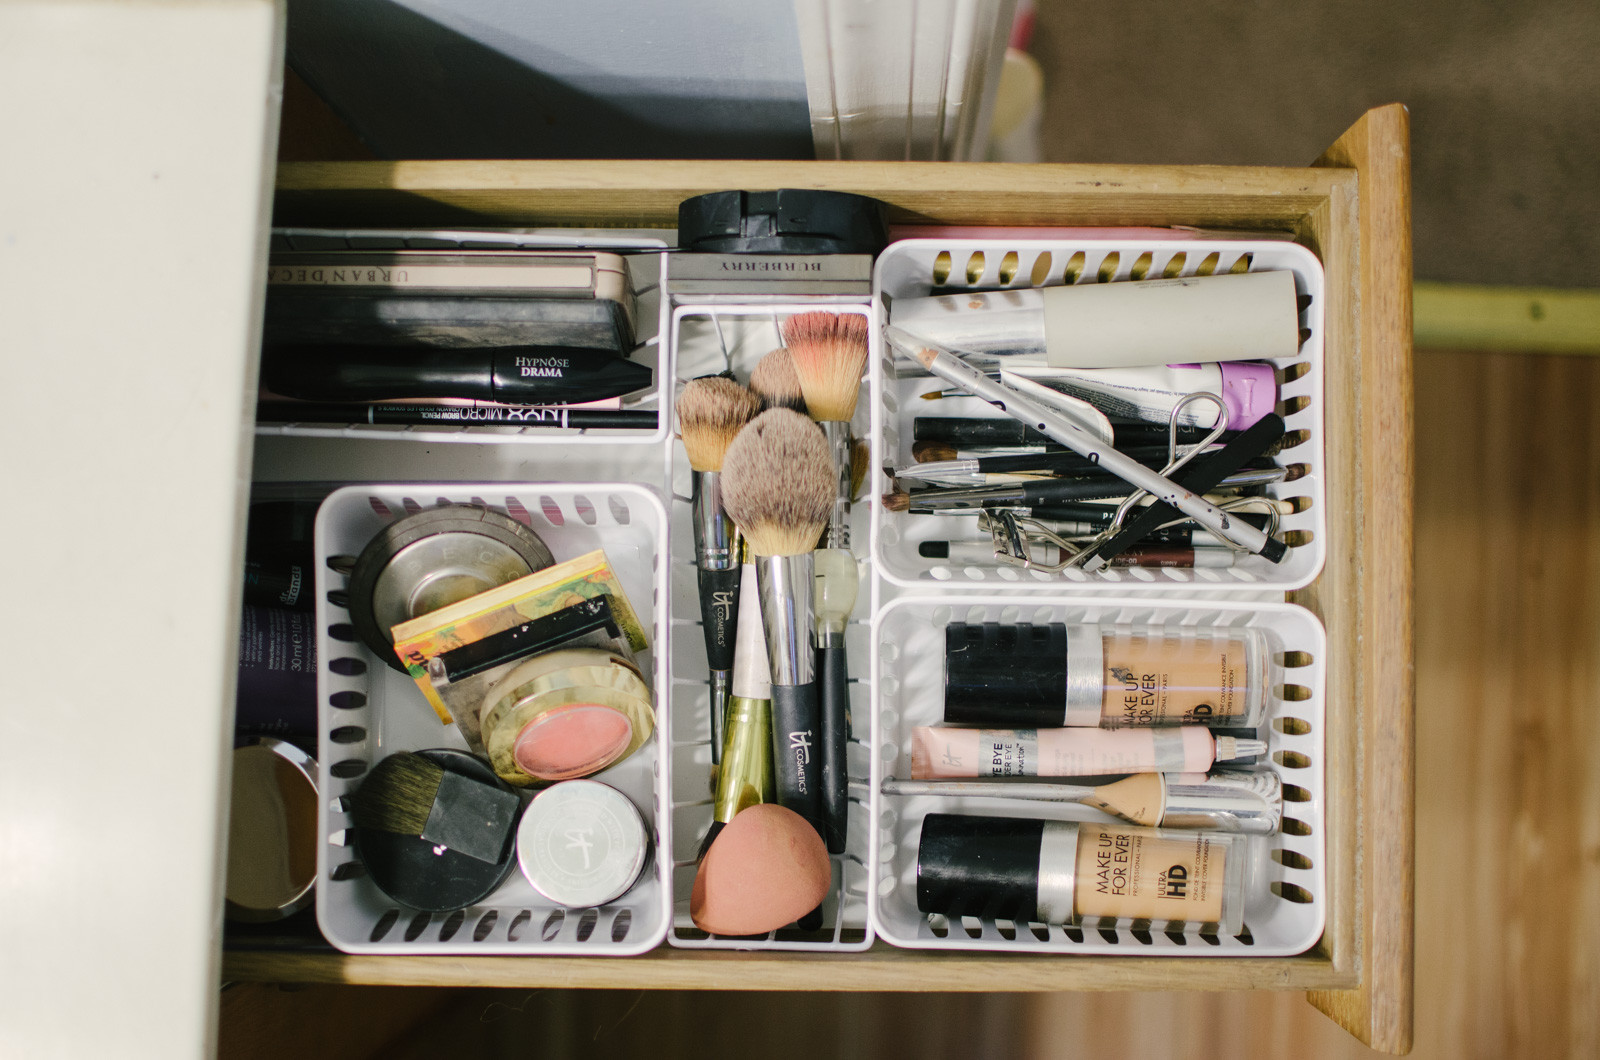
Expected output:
(582, 843)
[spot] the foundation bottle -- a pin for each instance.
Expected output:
(1053, 675)
(1082, 874)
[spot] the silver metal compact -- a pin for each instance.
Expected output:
(582, 844)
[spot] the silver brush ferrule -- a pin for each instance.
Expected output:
(838, 434)
(715, 536)
(786, 586)
(1227, 801)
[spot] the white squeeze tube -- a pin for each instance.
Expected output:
(951, 752)
(1248, 316)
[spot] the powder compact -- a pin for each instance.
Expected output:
(582, 844)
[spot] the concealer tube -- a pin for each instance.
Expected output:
(1053, 674)
(952, 752)
(1081, 874)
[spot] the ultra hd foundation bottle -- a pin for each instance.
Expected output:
(1081, 874)
(1053, 675)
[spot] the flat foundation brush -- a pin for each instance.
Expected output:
(408, 795)
(711, 412)
(779, 486)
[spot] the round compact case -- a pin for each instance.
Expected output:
(582, 844)
(564, 714)
(422, 873)
(431, 560)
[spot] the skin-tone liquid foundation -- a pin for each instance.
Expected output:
(1053, 675)
(1072, 873)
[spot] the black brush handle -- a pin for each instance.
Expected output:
(719, 620)
(719, 614)
(833, 681)
(797, 773)
(1199, 475)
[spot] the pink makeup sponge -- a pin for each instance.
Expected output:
(767, 868)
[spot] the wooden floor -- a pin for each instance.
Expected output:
(1508, 816)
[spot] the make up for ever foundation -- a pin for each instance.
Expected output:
(1052, 675)
(1081, 874)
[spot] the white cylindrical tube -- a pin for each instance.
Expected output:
(1251, 316)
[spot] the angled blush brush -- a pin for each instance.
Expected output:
(711, 412)
(830, 355)
(778, 484)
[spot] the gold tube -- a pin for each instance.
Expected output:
(745, 777)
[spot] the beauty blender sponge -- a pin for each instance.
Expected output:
(768, 867)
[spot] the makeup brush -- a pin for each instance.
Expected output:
(774, 381)
(830, 355)
(409, 795)
(711, 411)
(779, 485)
(1229, 800)
(745, 776)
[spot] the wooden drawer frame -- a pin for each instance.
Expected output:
(1353, 208)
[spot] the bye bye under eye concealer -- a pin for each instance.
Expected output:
(1051, 675)
(1080, 873)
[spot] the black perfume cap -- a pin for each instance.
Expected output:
(785, 221)
(1016, 675)
(986, 867)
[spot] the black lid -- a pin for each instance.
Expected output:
(786, 221)
(985, 867)
(420, 875)
(1004, 675)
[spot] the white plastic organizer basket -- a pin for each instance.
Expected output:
(367, 710)
(707, 339)
(917, 267)
(1287, 907)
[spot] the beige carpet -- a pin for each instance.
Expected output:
(1504, 100)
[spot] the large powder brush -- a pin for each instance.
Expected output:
(712, 410)
(779, 484)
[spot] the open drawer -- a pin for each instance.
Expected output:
(1352, 209)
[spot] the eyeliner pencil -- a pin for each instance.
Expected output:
(426, 415)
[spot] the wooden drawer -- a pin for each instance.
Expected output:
(1352, 208)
